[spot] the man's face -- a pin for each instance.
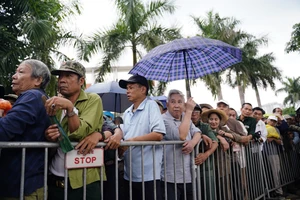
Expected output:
(69, 83)
(224, 107)
(134, 91)
(196, 116)
(291, 121)
(257, 114)
(175, 106)
(246, 110)
(22, 80)
(278, 111)
(232, 114)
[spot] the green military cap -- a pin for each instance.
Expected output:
(70, 66)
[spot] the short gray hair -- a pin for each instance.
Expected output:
(39, 69)
(174, 91)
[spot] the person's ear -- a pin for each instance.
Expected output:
(38, 81)
(144, 89)
(81, 81)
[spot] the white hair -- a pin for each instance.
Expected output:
(175, 91)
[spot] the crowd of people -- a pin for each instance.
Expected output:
(82, 118)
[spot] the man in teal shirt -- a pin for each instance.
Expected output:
(245, 117)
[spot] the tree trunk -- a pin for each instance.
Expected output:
(241, 94)
(134, 52)
(257, 97)
(220, 95)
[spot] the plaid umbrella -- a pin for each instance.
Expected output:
(187, 58)
(114, 98)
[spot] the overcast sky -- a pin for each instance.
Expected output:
(273, 18)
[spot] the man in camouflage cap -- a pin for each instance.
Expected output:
(81, 116)
(71, 66)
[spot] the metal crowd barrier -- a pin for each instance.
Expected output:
(252, 172)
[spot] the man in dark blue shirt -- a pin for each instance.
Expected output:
(25, 122)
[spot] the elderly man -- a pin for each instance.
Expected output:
(26, 121)
(142, 122)
(81, 117)
(179, 127)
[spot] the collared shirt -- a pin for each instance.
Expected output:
(90, 112)
(250, 124)
(183, 168)
(260, 126)
(25, 122)
(146, 119)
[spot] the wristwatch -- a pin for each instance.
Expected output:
(71, 114)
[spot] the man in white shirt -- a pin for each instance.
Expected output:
(260, 125)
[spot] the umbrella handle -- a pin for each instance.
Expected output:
(187, 81)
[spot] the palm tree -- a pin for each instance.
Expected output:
(253, 70)
(224, 29)
(32, 30)
(294, 43)
(135, 28)
(264, 74)
(292, 87)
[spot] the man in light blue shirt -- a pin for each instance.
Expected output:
(142, 122)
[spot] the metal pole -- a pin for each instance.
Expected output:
(187, 81)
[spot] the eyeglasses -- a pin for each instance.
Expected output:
(196, 111)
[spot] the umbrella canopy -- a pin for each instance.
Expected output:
(113, 97)
(187, 58)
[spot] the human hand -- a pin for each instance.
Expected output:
(188, 147)
(270, 139)
(52, 133)
(200, 158)
(279, 116)
(221, 132)
(207, 141)
(113, 142)
(224, 144)
(190, 105)
(233, 144)
(121, 150)
(87, 145)
(57, 103)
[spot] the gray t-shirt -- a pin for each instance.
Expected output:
(183, 162)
